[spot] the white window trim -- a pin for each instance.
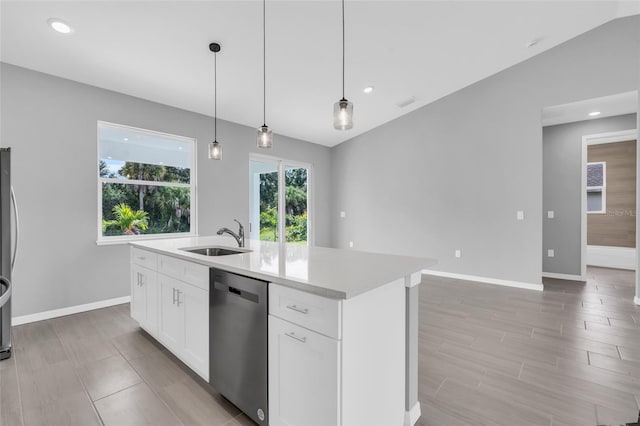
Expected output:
(602, 189)
(282, 162)
(124, 239)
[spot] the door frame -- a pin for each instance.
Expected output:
(597, 139)
(282, 162)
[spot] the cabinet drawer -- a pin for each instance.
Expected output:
(144, 258)
(189, 272)
(314, 312)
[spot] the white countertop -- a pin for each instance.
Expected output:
(335, 273)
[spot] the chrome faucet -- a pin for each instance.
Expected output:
(239, 236)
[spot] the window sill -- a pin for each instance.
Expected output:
(126, 240)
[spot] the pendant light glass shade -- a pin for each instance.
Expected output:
(343, 115)
(265, 137)
(215, 151)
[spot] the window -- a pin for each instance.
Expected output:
(597, 187)
(146, 184)
(279, 200)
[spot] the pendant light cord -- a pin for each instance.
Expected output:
(342, 49)
(215, 96)
(264, 63)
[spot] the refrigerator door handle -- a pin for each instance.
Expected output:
(7, 294)
(15, 241)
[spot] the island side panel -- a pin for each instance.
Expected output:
(373, 354)
(412, 297)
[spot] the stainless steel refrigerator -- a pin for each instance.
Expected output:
(7, 250)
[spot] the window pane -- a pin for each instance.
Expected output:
(264, 200)
(126, 170)
(594, 201)
(296, 204)
(595, 174)
(141, 209)
(123, 144)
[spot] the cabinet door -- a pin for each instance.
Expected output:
(149, 283)
(138, 295)
(171, 318)
(195, 303)
(304, 371)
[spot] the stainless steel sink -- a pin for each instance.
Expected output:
(214, 251)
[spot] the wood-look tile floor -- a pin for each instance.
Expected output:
(489, 355)
(569, 355)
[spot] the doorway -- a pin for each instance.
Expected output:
(609, 173)
(280, 200)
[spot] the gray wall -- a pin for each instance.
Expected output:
(562, 189)
(452, 174)
(50, 123)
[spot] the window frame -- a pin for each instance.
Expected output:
(124, 239)
(602, 189)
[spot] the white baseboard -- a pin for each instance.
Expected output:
(564, 276)
(486, 280)
(412, 416)
(612, 257)
(40, 316)
(636, 300)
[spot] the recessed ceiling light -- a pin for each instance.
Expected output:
(126, 139)
(368, 89)
(594, 113)
(59, 25)
(109, 157)
(179, 147)
(533, 42)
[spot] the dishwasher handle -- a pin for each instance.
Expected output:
(233, 291)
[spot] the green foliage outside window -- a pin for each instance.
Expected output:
(166, 208)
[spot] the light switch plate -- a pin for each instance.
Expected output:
(550, 253)
(520, 215)
(350, 244)
(343, 214)
(458, 254)
(550, 214)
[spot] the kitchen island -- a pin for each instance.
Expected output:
(342, 324)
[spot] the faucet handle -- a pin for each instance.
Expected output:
(238, 222)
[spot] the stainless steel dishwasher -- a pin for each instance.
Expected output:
(238, 342)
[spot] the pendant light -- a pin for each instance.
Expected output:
(265, 135)
(343, 109)
(215, 149)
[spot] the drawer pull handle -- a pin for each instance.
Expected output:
(293, 336)
(295, 308)
(141, 257)
(174, 295)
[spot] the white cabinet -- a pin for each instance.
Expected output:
(184, 322)
(304, 386)
(336, 362)
(178, 303)
(144, 297)
(171, 326)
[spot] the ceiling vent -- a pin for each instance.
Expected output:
(406, 102)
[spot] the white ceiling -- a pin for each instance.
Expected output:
(607, 106)
(158, 50)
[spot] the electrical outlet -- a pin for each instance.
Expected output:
(551, 253)
(343, 215)
(550, 214)
(458, 254)
(520, 215)
(350, 244)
